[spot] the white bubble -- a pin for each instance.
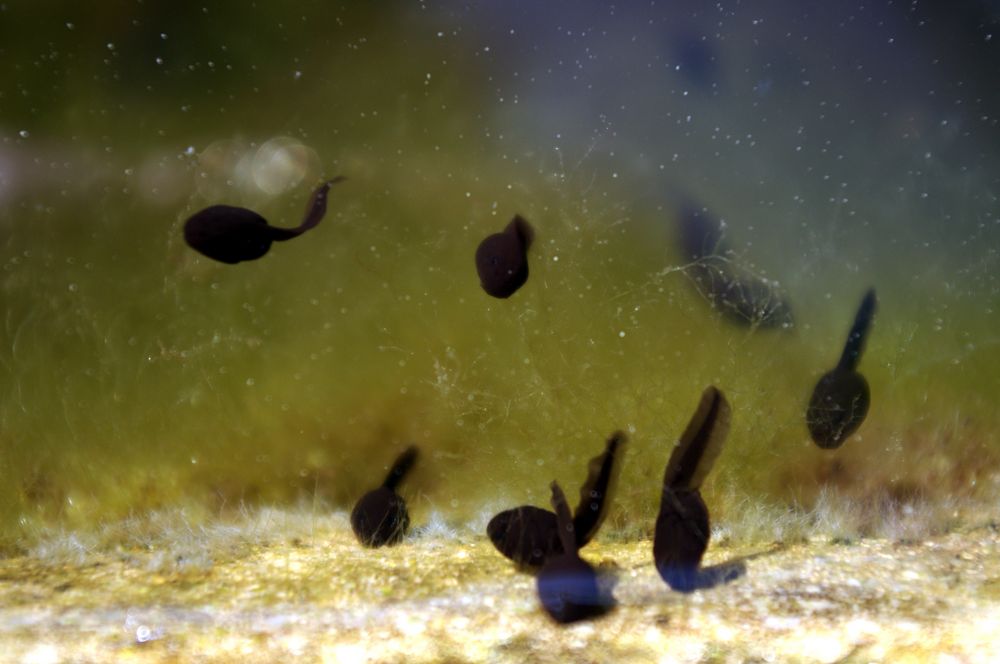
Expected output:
(281, 164)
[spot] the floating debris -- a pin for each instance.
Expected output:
(741, 296)
(380, 517)
(502, 258)
(682, 527)
(528, 535)
(233, 234)
(841, 398)
(568, 586)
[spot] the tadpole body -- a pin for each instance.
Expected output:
(528, 535)
(380, 517)
(502, 259)
(682, 526)
(739, 295)
(231, 234)
(568, 587)
(840, 400)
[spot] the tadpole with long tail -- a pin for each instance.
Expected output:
(841, 398)
(502, 258)
(528, 535)
(682, 526)
(233, 234)
(380, 516)
(568, 587)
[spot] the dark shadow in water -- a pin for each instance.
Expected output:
(568, 587)
(739, 295)
(720, 574)
(233, 234)
(840, 400)
(682, 526)
(502, 259)
(696, 59)
(528, 535)
(380, 517)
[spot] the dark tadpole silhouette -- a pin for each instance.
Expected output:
(742, 297)
(528, 535)
(232, 234)
(380, 517)
(841, 398)
(502, 258)
(568, 587)
(682, 527)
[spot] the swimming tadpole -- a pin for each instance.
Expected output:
(568, 587)
(233, 234)
(380, 516)
(841, 398)
(528, 535)
(502, 258)
(739, 295)
(682, 526)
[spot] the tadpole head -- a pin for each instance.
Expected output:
(502, 259)
(570, 590)
(380, 518)
(527, 535)
(838, 406)
(228, 234)
(681, 538)
(741, 297)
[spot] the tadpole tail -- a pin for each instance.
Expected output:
(404, 462)
(859, 333)
(700, 234)
(563, 519)
(596, 492)
(524, 231)
(700, 444)
(315, 211)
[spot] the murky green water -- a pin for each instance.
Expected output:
(138, 375)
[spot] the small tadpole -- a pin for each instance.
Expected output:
(840, 400)
(502, 258)
(682, 526)
(231, 234)
(568, 587)
(739, 295)
(380, 517)
(528, 535)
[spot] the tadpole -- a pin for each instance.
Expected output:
(841, 398)
(502, 258)
(528, 535)
(568, 587)
(380, 516)
(682, 526)
(739, 295)
(232, 234)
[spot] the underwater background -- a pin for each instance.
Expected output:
(842, 146)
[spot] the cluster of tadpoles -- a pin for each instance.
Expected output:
(548, 543)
